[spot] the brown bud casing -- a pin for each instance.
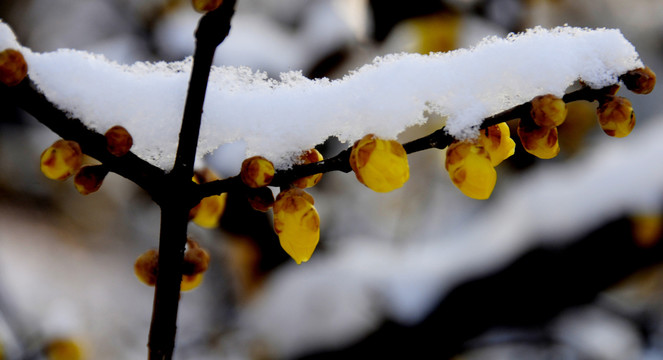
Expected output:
(640, 81)
(147, 266)
(89, 178)
(196, 261)
(13, 68)
(261, 199)
(118, 141)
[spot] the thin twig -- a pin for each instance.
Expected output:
(438, 139)
(130, 166)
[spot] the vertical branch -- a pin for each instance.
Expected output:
(180, 194)
(163, 328)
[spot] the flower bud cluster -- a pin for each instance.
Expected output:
(471, 164)
(65, 158)
(538, 131)
(195, 263)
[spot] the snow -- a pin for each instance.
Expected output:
(280, 118)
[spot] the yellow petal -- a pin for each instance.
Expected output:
(190, 282)
(497, 141)
(208, 212)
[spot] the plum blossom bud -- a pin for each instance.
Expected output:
(541, 142)
(61, 160)
(470, 169)
(118, 141)
(548, 110)
(310, 156)
(13, 68)
(616, 116)
(89, 178)
(497, 141)
(257, 172)
(640, 81)
(379, 164)
(297, 224)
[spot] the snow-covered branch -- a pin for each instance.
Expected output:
(280, 118)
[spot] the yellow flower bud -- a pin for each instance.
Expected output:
(379, 164)
(640, 81)
(497, 141)
(548, 111)
(63, 349)
(257, 172)
(210, 209)
(204, 6)
(61, 160)
(470, 169)
(13, 68)
(616, 116)
(297, 224)
(190, 282)
(146, 267)
(647, 228)
(89, 178)
(118, 140)
(310, 156)
(541, 142)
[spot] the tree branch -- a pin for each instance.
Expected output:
(439, 139)
(130, 166)
(212, 30)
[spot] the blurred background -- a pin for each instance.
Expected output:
(562, 262)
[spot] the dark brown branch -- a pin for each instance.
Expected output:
(212, 30)
(130, 166)
(438, 139)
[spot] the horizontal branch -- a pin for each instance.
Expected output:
(439, 139)
(154, 180)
